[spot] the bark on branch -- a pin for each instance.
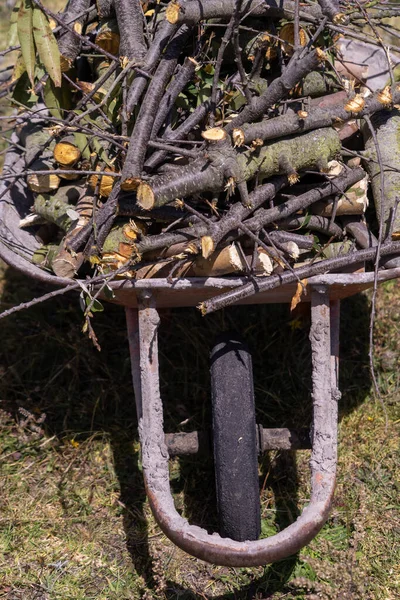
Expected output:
(286, 157)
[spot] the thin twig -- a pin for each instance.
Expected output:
(376, 270)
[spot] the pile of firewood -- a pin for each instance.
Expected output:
(207, 138)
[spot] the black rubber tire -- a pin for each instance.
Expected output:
(234, 439)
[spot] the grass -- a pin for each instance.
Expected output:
(75, 523)
(74, 520)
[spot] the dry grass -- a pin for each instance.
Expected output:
(74, 520)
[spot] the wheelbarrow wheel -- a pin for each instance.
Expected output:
(234, 439)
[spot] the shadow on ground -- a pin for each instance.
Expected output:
(48, 366)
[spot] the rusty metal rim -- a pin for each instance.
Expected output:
(142, 332)
(343, 279)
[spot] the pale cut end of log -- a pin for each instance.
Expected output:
(263, 266)
(133, 229)
(215, 134)
(292, 249)
(145, 196)
(129, 232)
(30, 220)
(114, 261)
(43, 183)
(191, 248)
(124, 61)
(302, 114)
(66, 154)
(194, 61)
(106, 182)
(207, 246)
(286, 38)
(355, 105)
(385, 97)
(355, 202)
(78, 28)
(340, 19)
(131, 184)
(334, 168)
(172, 12)
(238, 138)
(161, 269)
(256, 144)
(222, 262)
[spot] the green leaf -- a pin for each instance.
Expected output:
(82, 143)
(12, 38)
(46, 45)
(108, 292)
(113, 110)
(52, 100)
(25, 36)
(396, 74)
(56, 99)
(101, 154)
(267, 529)
(39, 72)
(23, 93)
(97, 306)
(306, 221)
(19, 68)
(236, 101)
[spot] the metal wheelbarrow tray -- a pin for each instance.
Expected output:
(142, 299)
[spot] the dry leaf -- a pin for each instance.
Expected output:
(297, 296)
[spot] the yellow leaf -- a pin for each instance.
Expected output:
(295, 324)
(298, 293)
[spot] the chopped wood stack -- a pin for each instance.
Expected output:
(205, 138)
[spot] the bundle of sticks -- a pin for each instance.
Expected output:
(206, 138)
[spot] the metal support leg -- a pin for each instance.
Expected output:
(193, 539)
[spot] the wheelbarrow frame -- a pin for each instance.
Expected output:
(142, 324)
(142, 299)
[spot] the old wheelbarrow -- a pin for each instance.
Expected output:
(237, 440)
